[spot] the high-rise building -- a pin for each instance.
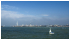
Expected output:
(17, 23)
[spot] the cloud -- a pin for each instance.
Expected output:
(10, 14)
(13, 14)
(7, 18)
(8, 7)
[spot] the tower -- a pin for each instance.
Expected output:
(17, 23)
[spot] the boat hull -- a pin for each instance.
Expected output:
(51, 33)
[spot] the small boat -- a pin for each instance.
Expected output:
(50, 32)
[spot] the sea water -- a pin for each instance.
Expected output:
(34, 33)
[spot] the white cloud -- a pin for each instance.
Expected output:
(10, 14)
(8, 7)
(13, 14)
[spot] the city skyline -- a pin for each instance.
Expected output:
(34, 12)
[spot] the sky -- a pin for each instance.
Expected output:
(34, 12)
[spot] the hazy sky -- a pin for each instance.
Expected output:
(34, 12)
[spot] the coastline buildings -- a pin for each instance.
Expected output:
(40, 25)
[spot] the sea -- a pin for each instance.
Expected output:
(34, 33)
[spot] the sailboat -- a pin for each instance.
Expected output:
(50, 32)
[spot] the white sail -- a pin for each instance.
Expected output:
(50, 30)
